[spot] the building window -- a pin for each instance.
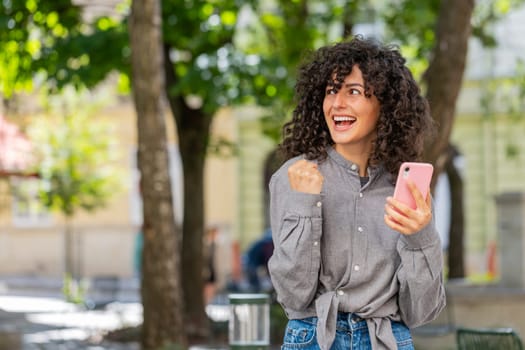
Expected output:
(27, 209)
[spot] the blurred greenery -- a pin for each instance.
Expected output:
(74, 291)
(76, 161)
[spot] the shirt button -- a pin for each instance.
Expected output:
(316, 243)
(360, 195)
(360, 229)
(353, 167)
(340, 292)
(319, 204)
(356, 267)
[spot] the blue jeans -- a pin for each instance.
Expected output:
(351, 334)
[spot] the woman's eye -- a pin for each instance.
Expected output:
(331, 91)
(355, 92)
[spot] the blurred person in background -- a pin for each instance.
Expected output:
(256, 263)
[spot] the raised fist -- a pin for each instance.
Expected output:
(304, 176)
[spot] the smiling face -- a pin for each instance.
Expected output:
(351, 116)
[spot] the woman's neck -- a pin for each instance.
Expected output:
(358, 157)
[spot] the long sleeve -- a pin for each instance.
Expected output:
(421, 291)
(296, 231)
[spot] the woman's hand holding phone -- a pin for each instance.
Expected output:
(410, 209)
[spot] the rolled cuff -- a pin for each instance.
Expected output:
(305, 204)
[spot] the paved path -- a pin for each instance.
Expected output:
(34, 315)
(30, 323)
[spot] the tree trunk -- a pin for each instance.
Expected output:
(456, 266)
(193, 138)
(161, 286)
(70, 278)
(444, 75)
(68, 249)
(193, 127)
(444, 78)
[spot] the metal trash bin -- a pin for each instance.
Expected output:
(249, 323)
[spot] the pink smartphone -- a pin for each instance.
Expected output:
(420, 174)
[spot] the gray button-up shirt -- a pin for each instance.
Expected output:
(333, 252)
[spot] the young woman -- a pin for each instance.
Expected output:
(352, 267)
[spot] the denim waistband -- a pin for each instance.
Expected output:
(346, 321)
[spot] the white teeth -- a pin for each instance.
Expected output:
(338, 118)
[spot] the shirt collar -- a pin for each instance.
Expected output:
(373, 171)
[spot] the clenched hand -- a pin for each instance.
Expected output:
(304, 176)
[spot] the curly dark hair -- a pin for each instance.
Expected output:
(404, 118)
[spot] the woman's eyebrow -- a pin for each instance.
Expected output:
(349, 85)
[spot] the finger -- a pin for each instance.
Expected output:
(401, 224)
(302, 164)
(311, 165)
(395, 225)
(429, 200)
(299, 164)
(399, 206)
(406, 220)
(297, 167)
(304, 176)
(416, 193)
(394, 214)
(310, 168)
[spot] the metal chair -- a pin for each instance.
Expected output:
(488, 339)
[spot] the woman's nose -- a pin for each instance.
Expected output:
(339, 100)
